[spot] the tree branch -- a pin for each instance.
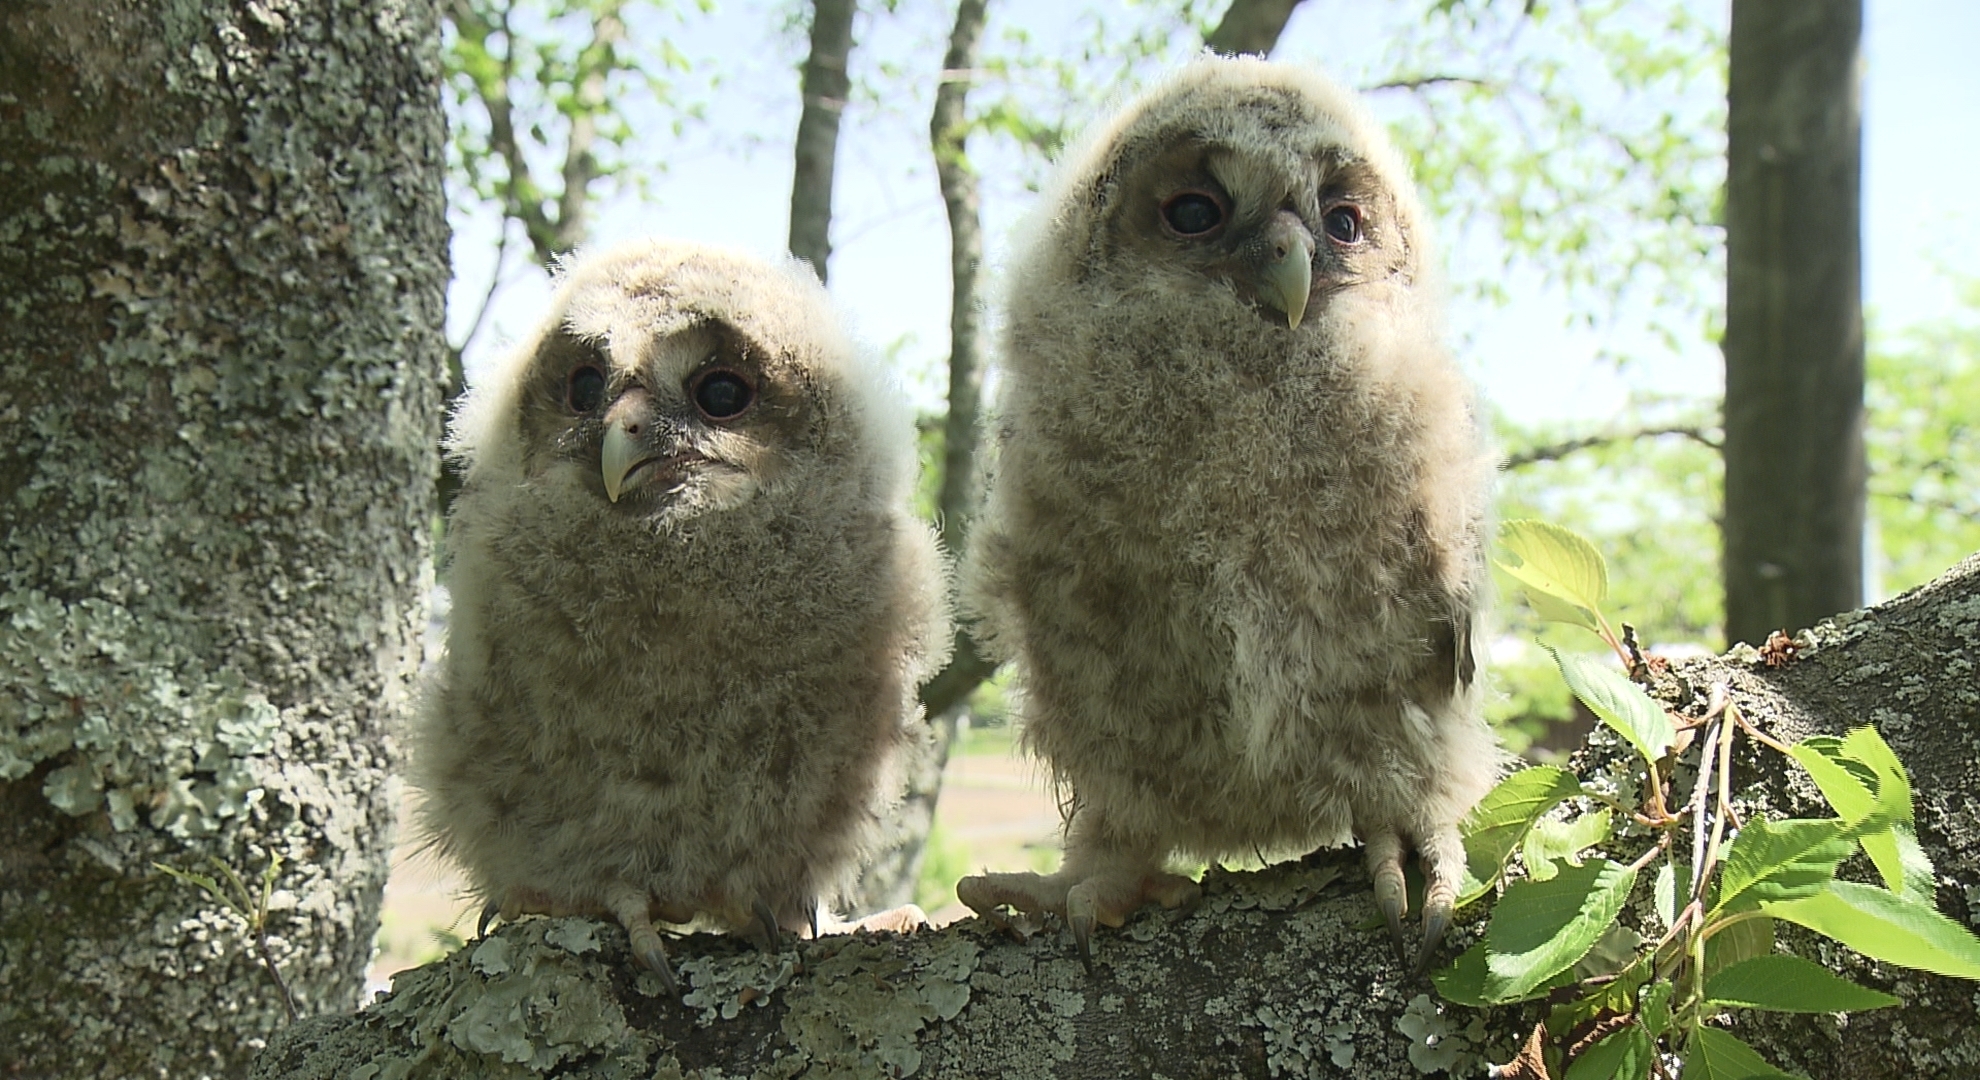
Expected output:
(1559, 450)
(826, 86)
(1276, 973)
(1424, 81)
(1251, 26)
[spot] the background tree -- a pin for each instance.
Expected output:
(826, 84)
(1794, 317)
(220, 371)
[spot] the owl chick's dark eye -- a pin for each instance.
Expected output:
(585, 389)
(1343, 223)
(721, 395)
(1193, 213)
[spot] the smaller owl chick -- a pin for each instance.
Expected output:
(1233, 547)
(691, 604)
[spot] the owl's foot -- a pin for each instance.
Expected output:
(905, 919)
(631, 907)
(1441, 858)
(1083, 900)
(517, 901)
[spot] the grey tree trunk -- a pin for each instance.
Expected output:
(1251, 26)
(1794, 500)
(223, 257)
(826, 85)
(1278, 973)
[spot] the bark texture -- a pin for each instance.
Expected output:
(1794, 317)
(826, 85)
(1277, 974)
(223, 256)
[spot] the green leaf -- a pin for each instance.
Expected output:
(1463, 983)
(1623, 1055)
(1884, 926)
(1541, 928)
(1781, 860)
(1715, 1055)
(1664, 894)
(1743, 940)
(1565, 577)
(1619, 703)
(1783, 983)
(1550, 840)
(1501, 819)
(1860, 776)
(1654, 1009)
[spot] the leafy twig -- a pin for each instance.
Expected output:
(253, 911)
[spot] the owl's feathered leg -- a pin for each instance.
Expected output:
(1440, 855)
(630, 907)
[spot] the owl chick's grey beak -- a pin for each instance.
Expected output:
(634, 451)
(1284, 266)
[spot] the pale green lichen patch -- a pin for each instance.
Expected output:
(867, 1000)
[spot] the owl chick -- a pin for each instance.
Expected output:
(1234, 544)
(691, 603)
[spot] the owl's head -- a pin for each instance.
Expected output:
(1263, 178)
(673, 379)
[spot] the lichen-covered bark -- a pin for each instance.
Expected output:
(1275, 974)
(222, 264)
(1279, 973)
(1911, 667)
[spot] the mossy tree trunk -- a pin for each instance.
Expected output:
(222, 270)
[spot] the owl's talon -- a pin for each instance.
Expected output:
(1436, 921)
(652, 955)
(1082, 932)
(766, 922)
(489, 911)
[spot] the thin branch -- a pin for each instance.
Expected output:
(948, 129)
(1422, 82)
(1559, 450)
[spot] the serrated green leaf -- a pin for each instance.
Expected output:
(1715, 1055)
(1783, 983)
(1622, 1055)
(1619, 703)
(1565, 577)
(1463, 983)
(1541, 928)
(1495, 827)
(1781, 860)
(1664, 894)
(1550, 840)
(1885, 926)
(1860, 776)
(1739, 941)
(1654, 1008)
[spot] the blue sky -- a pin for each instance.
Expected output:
(728, 181)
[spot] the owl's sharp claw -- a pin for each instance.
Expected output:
(811, 916)
(1082, 932)
(1391, 895)
(1436, 921)
(652, 955)
(489, 911)
(631, 907)
(766, 921)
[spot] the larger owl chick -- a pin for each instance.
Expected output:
(691, 605)
(1233, 547)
